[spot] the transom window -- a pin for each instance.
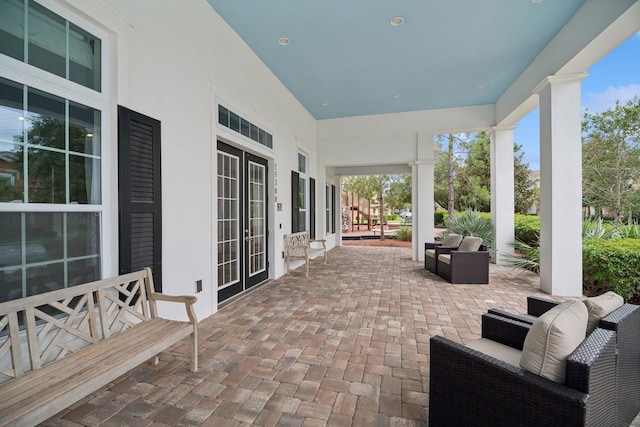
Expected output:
(53, 43)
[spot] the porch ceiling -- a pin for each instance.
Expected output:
(348, 56)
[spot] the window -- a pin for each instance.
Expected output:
(231, 120)
(302, 192)
(330, 223)
(51, 205)
(53, 43)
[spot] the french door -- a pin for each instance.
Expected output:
(242, 221)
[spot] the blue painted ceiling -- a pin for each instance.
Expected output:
(345, 58)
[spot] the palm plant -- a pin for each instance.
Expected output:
(471, 223)
(526, 257)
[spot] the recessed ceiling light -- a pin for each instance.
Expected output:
(398, 20)
(536, 1)
(284, 41)
(481, 86)
(325, 103)
(21, 118)
(398, 95)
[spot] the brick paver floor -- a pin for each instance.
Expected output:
(349, 345)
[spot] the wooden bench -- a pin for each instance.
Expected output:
(298, 246)
(58, 347)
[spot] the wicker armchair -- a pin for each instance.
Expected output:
(625, 321)
(469, 263)
(468, 387)
(432, 250)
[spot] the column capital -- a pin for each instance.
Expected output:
(494, 129)
(560, 78)
(422, 163)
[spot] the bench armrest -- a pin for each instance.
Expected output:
(187, 300)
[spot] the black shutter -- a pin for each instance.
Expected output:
(139, 194)
(295, 201)
(312, 208)
(333, 209)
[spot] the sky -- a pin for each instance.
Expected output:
(614, 77)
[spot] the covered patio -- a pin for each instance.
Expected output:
(349, 345)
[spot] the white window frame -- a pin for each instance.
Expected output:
(33, 77)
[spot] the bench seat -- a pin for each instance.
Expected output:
(74, 341)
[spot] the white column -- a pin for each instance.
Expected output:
(560, 185)
(422, 201)
(502, 188)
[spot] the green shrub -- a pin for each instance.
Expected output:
(472, 223)
(438, 217)
(404, 233)
(391, 217)
(527, 229)
(611, 265)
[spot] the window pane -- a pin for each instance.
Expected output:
(45, 278)
(302, 163)
(83, 271)
(83, 237)
(84, 57)
(10, 239)
(234, 121)
(223, 116)
(12, 28)
(47, 40)
(84, 180)
(45, 120)
(244, 127)
(46, 176)
(45, 239)
(84, 129)
(10, 284)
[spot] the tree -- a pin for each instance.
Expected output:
(471, 166)
(611, 160)
(399, 194)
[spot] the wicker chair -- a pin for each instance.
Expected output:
(469, 263)
(468, 387)
(432, 250)
(625, 321)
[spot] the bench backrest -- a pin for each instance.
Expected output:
(39, 329)
(296, 243)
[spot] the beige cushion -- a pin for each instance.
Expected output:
(600, 306)
(494, 349)
(452, 240)
(431, 253)
(470, 243)
(552, 338)
(445, 258)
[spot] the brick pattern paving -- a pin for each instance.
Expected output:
(349, 345)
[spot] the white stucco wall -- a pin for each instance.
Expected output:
(174, 61)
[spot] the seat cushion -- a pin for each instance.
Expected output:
(452, 239)
(552, 338)
(470, 243)
(497, 350)
(431, 253)
(444, 258)
(600, 306)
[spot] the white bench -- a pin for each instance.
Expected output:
(58, 347)
(298, 246)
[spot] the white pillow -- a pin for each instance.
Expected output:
(552, 338)
(600, 306)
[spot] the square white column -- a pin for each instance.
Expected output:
(502, 192)
(561, 185)
(422, 201)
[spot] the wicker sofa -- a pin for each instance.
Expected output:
(469, 387)
(433, 249)
(625, 321)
